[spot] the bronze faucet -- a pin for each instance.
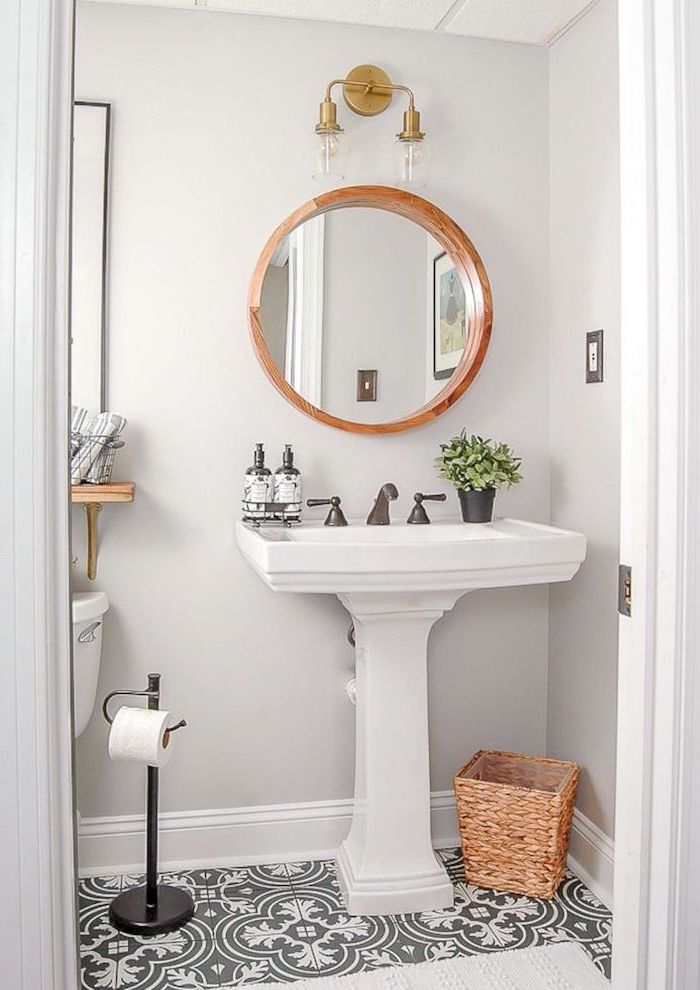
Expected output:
(379, 516)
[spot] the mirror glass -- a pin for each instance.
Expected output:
(364, 314)
(88, 254)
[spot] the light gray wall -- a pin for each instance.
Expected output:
(373, 313)
(200, 179)
(585, 419)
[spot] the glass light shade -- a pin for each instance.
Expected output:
(411, 162)
(330, 153)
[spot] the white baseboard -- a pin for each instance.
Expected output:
(288, 832)
(591, 857)
(236, 836)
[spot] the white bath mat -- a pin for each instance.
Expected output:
(564, 966)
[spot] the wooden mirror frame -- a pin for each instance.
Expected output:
(449, 236)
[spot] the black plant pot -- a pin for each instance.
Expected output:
(477, 507)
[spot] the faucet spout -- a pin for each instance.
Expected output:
(379, 515)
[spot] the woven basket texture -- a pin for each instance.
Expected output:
(514, 815)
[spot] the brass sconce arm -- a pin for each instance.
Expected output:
(368, 88)
(368, 91)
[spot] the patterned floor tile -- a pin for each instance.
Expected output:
(97, 935)
(167, 964)
(94, 897)
(258, 927)
(342, 943)
(98, 964)
(288, 922)
(480, 921)
(587, 921)
(111, 959)
(574, 914)
(318, 876)
(452, 861)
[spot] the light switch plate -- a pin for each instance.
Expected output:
(594, 356)
(624, 590)
(367, 385)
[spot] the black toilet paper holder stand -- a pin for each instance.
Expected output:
(154, 907)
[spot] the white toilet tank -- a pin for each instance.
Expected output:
(88, 610)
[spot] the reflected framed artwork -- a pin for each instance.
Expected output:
(449, 317)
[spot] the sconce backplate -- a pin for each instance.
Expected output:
(359, 94)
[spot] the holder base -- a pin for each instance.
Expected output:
(129, 912)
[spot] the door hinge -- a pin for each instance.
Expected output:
(624, 589)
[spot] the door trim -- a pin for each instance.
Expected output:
(37, 909)
(655, 876)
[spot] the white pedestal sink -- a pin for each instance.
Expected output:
(397, 581)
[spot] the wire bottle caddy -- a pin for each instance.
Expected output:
(258, 513)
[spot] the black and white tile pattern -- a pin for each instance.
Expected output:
(287, 922)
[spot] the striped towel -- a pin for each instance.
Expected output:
(104, 427)
(80, 420)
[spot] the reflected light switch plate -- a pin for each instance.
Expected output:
(594, 356)
(367, 385)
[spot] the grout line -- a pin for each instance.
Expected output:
(296, 900)
(210, 921)
(220, 955)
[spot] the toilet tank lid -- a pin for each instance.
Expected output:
(89, 605)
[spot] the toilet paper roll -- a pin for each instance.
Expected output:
(139, 735)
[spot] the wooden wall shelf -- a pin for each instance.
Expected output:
(118, 491)
(93, 498)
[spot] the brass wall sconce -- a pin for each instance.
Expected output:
(368, 91)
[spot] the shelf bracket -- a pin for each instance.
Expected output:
(92, 497)
(91, 511)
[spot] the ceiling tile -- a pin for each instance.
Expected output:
(416, 14)
(528, 21)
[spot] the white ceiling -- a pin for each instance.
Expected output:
(533, 22)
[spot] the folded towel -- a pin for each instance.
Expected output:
(79, 419)
(79, 424)
(105, 427)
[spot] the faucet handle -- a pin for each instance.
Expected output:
(418, 516)
(335, 517)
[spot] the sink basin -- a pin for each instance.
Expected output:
(445, 555)
(396, 582)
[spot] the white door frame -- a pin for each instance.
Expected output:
(656, 927)
(37, 906)
(658, 797)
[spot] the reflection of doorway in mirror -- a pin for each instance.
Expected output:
(449, 317)
(304, 339)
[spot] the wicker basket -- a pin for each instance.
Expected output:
(514, 816)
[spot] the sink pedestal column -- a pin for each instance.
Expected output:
(387, 864)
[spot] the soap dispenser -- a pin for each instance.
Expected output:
(258, 487)
(287, 485)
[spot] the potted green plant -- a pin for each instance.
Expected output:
(478, 468)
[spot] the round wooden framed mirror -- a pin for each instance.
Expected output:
(370, 310)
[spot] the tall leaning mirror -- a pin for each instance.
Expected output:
(89, 218)
(370, 309)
